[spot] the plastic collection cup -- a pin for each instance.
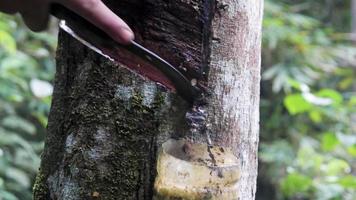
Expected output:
(192, 171)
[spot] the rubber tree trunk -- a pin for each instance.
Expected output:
(107, 124)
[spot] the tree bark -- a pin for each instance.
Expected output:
(107, 124)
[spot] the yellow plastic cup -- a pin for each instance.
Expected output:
(190, 171)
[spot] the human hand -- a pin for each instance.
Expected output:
(36, 14)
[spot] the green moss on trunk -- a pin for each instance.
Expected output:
(40, 189)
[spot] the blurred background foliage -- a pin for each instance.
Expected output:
(26, 68)
(308, 102)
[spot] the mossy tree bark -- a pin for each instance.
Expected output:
(106, 123)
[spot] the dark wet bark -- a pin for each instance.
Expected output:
(107, 124)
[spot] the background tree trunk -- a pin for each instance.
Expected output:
(353, 16)
(353, 38)
(106, 123)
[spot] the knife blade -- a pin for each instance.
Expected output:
(100, 42)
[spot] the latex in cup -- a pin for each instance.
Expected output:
(191, 171)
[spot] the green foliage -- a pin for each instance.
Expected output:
(296, 184)
(308, 102)
(295, 103)
(24, 58)
(329, 141)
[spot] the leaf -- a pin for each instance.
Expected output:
(332, 94)
(18, 123)
(315, 100)
(315, 116)
(7, 42)
(328, 191)
(26, 160)
(280, 81)
(348, 182)
(346, 83)
(352, 150)
(271, 72)
(19, 64)
(296, 183)
(337, 166)
(4, 195)
(329, 141)
(346, 139)
(309, 159)
(279, 151)
(14, 140)
(295, 104)
(352, 101)
(295, 84)
(302, 20)
(18, 176)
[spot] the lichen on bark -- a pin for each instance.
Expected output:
(40, 188)
(106, 133)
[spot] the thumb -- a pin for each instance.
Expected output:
(35, 19)
(96, 12)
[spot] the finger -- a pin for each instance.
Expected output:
(36, 20)
(8, 6)
(101, 16)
